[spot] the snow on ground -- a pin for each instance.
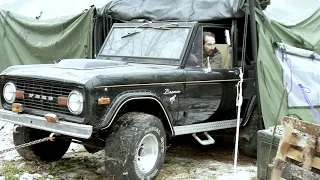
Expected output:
(184, 160)
(6, 142)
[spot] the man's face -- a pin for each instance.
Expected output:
(210, 44)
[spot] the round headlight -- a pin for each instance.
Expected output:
(75, 102)
(9, 92)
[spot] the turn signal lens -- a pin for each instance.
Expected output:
(20, 94)
(62, 100)
(52, 118)
(104, 100)
(17, 107)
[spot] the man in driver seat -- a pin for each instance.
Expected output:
(210, 51)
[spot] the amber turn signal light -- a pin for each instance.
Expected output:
(62, 100)
(17, 107)
(52, 118)
(104, 100)
(20, 94)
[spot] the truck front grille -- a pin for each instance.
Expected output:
(42, 94)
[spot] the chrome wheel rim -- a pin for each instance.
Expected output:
(147, 153)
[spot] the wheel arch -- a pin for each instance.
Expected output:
(249, 109)
(129, 101)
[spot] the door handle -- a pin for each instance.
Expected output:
(235, 72)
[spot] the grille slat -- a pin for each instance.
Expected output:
(44, 105)
(37, 107)
(45, 93)
(37, 89)
(56, 89)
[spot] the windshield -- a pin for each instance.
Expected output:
(147, 42)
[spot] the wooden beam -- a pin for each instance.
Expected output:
(295, 170)
(308, 152)
(310, 128)
(302, 142)
(282, 150)
(297, 155)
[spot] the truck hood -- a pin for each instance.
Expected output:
(80, 71)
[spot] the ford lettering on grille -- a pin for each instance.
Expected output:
(37, 96)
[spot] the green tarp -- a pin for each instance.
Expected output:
(25, 40)
(276, 75)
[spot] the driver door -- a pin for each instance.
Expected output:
(210, 92)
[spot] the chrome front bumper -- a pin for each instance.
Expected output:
(38, 122)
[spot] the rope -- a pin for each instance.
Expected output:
(315, 112)
(239, 101)
(244, 41)
(239, 98)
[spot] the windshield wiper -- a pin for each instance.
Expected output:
(167, 26)
(136, 30)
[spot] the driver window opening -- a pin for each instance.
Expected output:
(211, 47)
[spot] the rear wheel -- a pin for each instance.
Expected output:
(45, 151)
(248, 136)
(136, 147)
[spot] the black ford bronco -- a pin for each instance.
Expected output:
(140, 90)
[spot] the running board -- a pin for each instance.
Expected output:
(204, 127)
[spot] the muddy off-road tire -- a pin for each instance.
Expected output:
(248, 136)
(91, 149)
(136, 147)
(45, 151)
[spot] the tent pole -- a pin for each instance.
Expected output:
(254, 42)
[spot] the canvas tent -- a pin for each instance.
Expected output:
(34, 31)
(29, 41)
(189, 10)
(288, 59)
(50, 9)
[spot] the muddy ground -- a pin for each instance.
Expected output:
(185, 159)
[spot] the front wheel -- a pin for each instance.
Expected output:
(45, 151)
(136, 147)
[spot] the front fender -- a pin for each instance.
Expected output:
(125, 97)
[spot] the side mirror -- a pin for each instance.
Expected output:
(57, 61)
